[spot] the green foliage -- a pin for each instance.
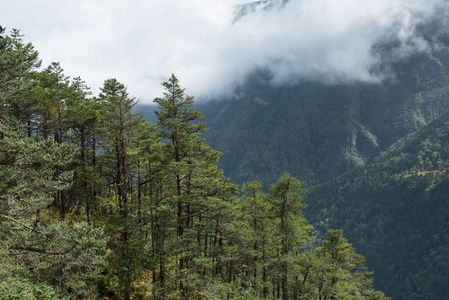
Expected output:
(28, 170)
(400, 200)
(14, 283)
(390, 137)
(316, 131)
(95, 203)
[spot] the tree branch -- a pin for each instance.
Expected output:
(38, 250)
(14, 221)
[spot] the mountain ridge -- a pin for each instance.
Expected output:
(395, 211)
(373, 157)
(356, 121)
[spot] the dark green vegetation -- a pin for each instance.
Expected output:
(97, 203)
(396, 211)
(320, 131)
(373, 158)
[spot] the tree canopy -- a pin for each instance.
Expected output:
(95, 202)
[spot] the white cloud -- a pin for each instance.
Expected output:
(142, 42)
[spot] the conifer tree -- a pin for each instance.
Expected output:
(176, 122)
(291, 226)
(33, 170)
(169, 225)
(343, 275)
(117, 135)
(18, 63)
(197, 182)
(83, 115)
(258, 211)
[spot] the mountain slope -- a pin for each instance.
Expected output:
(389, 140)
(396, 212)
(318, 131)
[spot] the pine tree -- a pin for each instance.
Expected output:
(258, 211)
(83, 116)
(18, 63)
(117, 135)
(291, 227)
(198, 185)
(176, 122)
(343, 275)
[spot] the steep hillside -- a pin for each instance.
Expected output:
(396, 212)
(389, 139)
(318, 131)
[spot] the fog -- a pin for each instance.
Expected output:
(211, 46)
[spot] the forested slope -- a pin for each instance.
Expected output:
(318, 131)
(395, 211)
(96, 203)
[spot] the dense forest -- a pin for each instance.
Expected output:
(96, 202)
(319, 131)
(396, 212)
(372, 157)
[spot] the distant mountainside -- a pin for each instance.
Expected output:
(396, 212)
(389, 139)
(373, 157)
(318, 131)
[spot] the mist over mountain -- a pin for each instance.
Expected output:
(213, 47)
(371, 152)
(348, 101)
(256, 6)
(326, 41)
(361, 117)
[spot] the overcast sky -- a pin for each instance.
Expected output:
(141, 42)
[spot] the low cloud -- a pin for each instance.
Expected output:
(330, 41)
(142, 42)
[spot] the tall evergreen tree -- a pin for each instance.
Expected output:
(196, 180)
(83, 115)
(176, 120)
(174, 226)
(343, 275)
(18, 63)
(258, 211)
(291, 226)
(118, 133)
